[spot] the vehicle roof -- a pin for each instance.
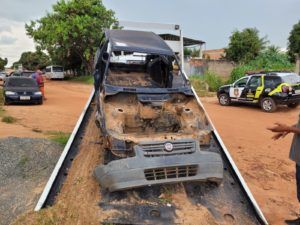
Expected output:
(137, 41)
(272, 73)
(16, 78)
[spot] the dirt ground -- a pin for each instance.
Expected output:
(60, 112)
(264, 163)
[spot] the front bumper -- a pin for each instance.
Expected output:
(17, 99)
(169, 168)
(288, 99)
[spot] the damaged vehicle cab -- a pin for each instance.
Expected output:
(154, 129)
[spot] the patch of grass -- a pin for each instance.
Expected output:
(9, 119)
(59, 137)
(200, 86)
(37, 130)
(1, 97)
(2, 111)
(83, 79)
(24, 159)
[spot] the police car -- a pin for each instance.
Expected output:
(268, 89)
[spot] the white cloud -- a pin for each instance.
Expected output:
(13, 40)
(7, 40)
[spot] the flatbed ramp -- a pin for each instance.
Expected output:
(73, 193)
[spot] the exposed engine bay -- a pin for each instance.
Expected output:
(138, 118)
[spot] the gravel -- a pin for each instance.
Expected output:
(25, 166)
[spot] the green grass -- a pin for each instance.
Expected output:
(9, 119)
(1, 98)
(59, 137)
(201, 86)
(83, 79)
(24, 159)
(2, 111)
(37, 130)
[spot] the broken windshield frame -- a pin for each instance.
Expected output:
(113, 88)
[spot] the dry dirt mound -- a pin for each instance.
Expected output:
(25, 166)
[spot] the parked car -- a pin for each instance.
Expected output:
(21, 90)
(268, 90)
(2, 75)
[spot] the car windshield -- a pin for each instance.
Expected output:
(134, 69)
(291, 78)
(27, 73)
(21, 82)
(57, 69)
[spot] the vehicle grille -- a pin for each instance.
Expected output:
(171, 172)
(25, 93)
(158, 149)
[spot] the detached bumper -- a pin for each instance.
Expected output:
(143, 170)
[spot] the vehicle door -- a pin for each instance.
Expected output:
(253, 88)
(237, 88)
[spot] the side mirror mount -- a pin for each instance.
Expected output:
(105, 56)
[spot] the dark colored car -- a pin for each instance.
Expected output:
(21, 90)
(265, 89)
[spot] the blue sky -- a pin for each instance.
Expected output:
(209, 20)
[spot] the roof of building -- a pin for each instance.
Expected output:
(186, 41)
(137, 41)
(214, 53)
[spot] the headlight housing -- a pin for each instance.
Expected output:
(10, 93)
(37, 93)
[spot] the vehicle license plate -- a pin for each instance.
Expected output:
(24, 97)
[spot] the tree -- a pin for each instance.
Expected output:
(3, 63)
(294, 41)
(33, 60)
(72, 31)
(245, 45)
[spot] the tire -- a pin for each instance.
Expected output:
(293, 105)
(40, 102)
(224, 99)
(268, 105)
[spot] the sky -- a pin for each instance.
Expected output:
(212, 21)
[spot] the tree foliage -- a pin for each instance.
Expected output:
(72, 31)
(33, 60)
(294, 41)
(244, 45)
(269, 60)
(3, 63)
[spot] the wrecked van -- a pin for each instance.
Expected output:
(152, 125)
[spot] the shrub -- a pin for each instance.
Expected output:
(213, 81)
(210, 81)
(269, 60)
(9, 119)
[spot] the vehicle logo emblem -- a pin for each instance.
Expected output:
(24, 93)
(168, 147)
(236, 92)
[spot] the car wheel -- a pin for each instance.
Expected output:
(224, 99)
(268, 104)
(41, 102)
(293, 105)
